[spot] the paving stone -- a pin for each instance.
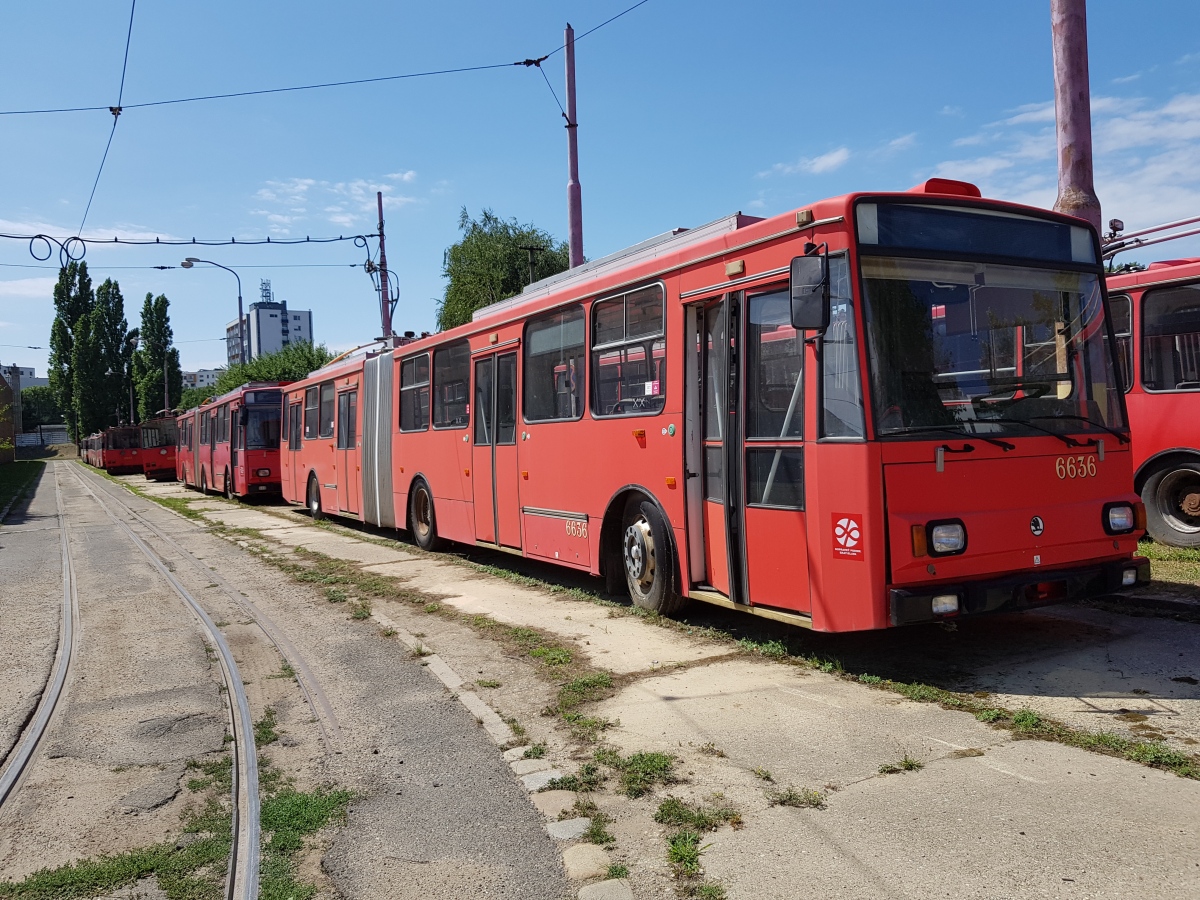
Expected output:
(515, 753)
(613, 889)
(525, 766)
(535, 781)
(584, 861)
(552, 804)
(569, 829)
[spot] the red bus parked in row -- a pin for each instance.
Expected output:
(159, 436)
(231, 443)
(882, 409)
(115, 450)
(1156, 318)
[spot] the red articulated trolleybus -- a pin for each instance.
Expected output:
(1156, 318)
(231, 443)
(159, 438)
(879, 410)
(115, 450)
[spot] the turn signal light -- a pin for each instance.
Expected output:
(1139, 516)
(919, 546)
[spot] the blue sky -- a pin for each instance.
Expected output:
(688, 111)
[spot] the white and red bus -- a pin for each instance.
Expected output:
(231, 443)
(881, 409)
(1156, 318)
(159, 439)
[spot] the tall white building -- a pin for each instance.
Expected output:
(201, 378)
(270, 326)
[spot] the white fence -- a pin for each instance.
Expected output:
(45, 437)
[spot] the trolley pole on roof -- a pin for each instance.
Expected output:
(1073, 111)
(574, 193)
(385, 292)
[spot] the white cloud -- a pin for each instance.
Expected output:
(1127, 79)
(406, 177)
(817, 165)
(901, 143)
(346, 204)
(952, 111)
(41, 288)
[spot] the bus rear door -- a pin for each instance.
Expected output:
(349, 466)
(494, 456)
(748, 451)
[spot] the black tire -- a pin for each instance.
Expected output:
(229, 493)
(648, 558)
(423, 518)
(314, 499)
(1172, 499)
(203, 482)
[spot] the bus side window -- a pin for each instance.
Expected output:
(841, 387)
(451, 378)
(1171, 339)
(326, 410)
(414, 393)
(310, 413)
(629, 353)
(1120, 307)
(553, 366)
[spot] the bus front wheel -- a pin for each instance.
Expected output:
(649, 558)
(424, 521)
(203, 482)
(229, 492)
(1172, 499)
(314, 499)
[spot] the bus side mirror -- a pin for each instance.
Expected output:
(809, 284)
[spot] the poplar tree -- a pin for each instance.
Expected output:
(115, 344)
(90, 400)
(73, 301)
(148, 362)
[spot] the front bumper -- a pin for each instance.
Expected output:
(1022, 591)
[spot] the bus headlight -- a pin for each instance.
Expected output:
(263, 473)
(946, 538)
(945, 604)
(1118, 518)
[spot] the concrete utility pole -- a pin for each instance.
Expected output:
(574, 193)
(1073, 111)
(385, 292)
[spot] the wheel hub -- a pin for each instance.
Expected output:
(639, 552)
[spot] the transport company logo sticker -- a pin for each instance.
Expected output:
(847, 535)
(1036, 525)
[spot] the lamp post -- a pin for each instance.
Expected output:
(191, 261)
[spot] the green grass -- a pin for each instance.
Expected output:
(264, 729)
(361, 610)
(289, 816)
(796, 797)
(588, 778)
(537, 751)
(617, 870)
(709, 890)
(907, 764)
(762, 773)
(769, 649)
(698, 817)
(597, 831)
(487, 682)
(16, 478)
(638, 773)
(285, 671)
(683, 853)
(552, 656)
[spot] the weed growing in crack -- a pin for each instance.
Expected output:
(487, 682)
(361, 610)
(264, 729)
(683, 853)
(763, 774)
(639, 772)
(769, 649)
(552, 656)
(698, 817)
(588, 778)
(796, 797)
(389, 631)
(710, 749)
(990, 715)
(617, 870)
(517, 728)
(537, 751)
(421, 650)
(597, 832)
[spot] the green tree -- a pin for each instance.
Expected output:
(291, 363)
(73, 301)
(115, 344)
(91, 410)
(155, 356)
(490, 264)
(38, 407)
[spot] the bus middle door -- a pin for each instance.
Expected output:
(751, 402)
(348, 452)
(494, 454)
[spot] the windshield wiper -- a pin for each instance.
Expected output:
(945, 429)
(1121, 438)
(1066, 439)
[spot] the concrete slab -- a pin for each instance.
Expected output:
(553, 804)
(612, 889)
(331, 544)
(515, 753)
(617, 643)
(584, 861)
(535, 781)
(568, 829)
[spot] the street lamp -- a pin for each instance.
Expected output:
(191, 261)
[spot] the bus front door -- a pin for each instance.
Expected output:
(349, 465)
(494, 455)
(749, 449)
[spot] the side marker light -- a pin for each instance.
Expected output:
(919, 545)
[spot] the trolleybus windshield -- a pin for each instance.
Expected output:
(987, 347)
(262, 425)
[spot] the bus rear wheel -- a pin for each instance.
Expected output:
(1172, 499)
(649, 559)
(423, 518)
(229, 492)
(203, 482)
(314, 499)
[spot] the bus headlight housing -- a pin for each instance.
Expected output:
(1119, 518)
(263, 473)
(947, 537)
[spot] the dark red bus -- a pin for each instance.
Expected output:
(231, 443)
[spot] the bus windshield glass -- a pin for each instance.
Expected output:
(262, 426)
(987, 348)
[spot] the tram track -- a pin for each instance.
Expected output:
(244, 862)
(310, 687)
(17, 762)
